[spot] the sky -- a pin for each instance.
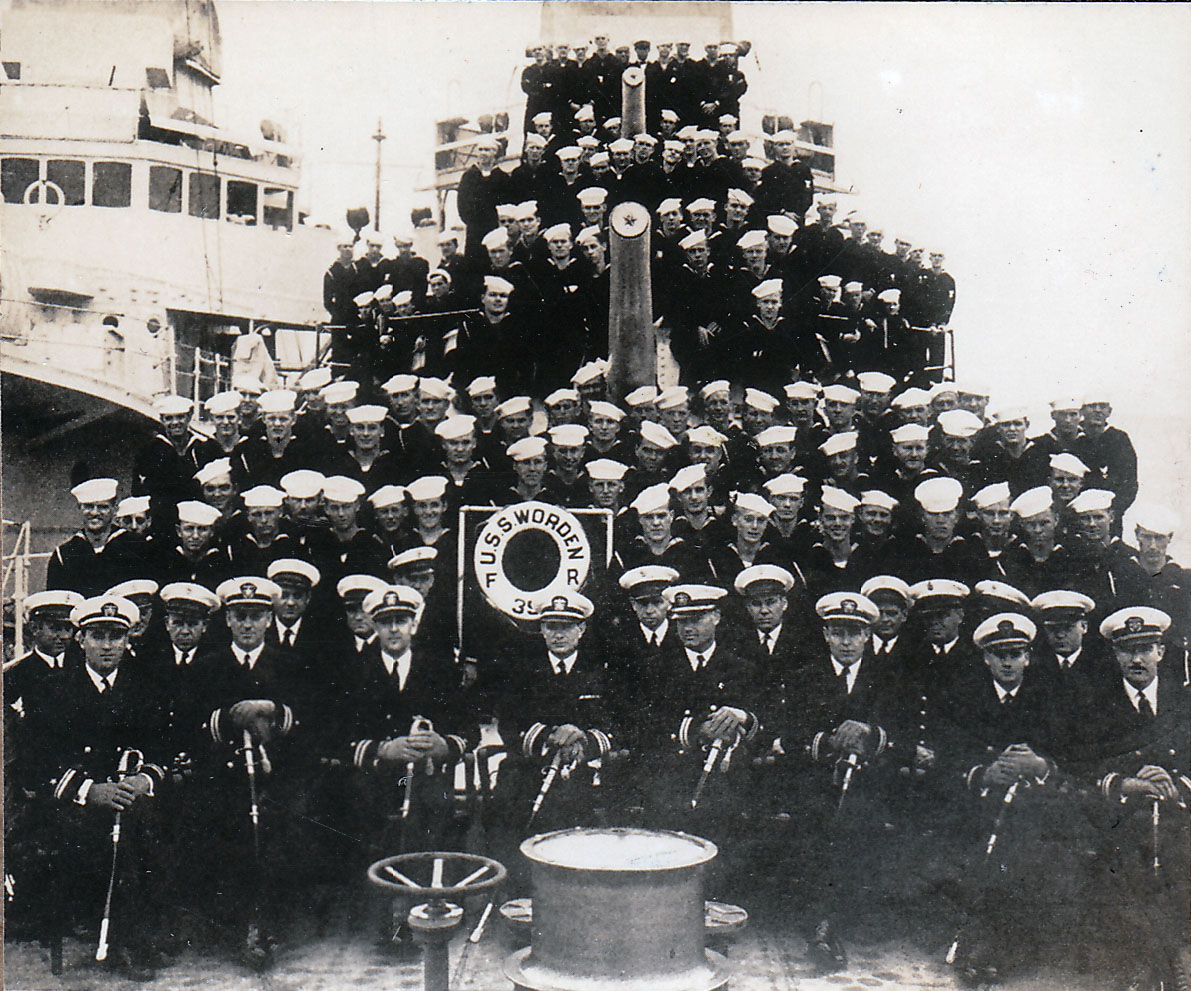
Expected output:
(1044, 147)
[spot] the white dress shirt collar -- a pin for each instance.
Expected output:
(563, 665)
(1150, 692)
(659, 633)
(693, 656)
(247, 658)
(852, 671)
(401, 664)
(101, 682)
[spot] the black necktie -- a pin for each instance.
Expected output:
(289, 637)
(700, 661)
(653, 638)
(1143, 706)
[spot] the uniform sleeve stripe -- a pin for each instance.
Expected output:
(64, 783)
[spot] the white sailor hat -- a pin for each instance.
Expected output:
(1061, 605)
(569, 153)
(940, 389)
(606, 470)
(498, 237)
(847, 607)
(214, 470)
(568, 435)
(105, 609)
(526, 448)
(839, 443)
(338, 393)
(367, 414)
(670, 115)
(514, 405)
(1091, 501)
(303, 483)
(403, 298)
(687, 132)
(785, 484)
(687, 476)
(387, 495)
(693, 240)
(620, 145)
(95, 490)
(830, 281)
(886, 584)
(248, 590)
(1032, 502)
(609, 411)
(172, 405)
(446, 236)
(145, 587)
(992, 494)
(455, 427)
(1002, 591)
(959, 423)
(562, 396)
(399, 599)
(197, 513)
(435, 388)
(358, 586)
(727, 118)
(910, 399)
(360, 299)
(779, 433)
(1154, 519)
(878, 499)
(426, 488)
(705, 435)
(284, 400)
(645, 395)
(340, 488)
(738, 137)
(589, 235)
(495, 283)
(1066, 404)
(657, 435)
(645, 138)
(481, 385)
(384, 294)
(889, 295)
(263, 497)
(750, 502)
(585, 112)
(566, 605)
(840, 394)
(1069, 463)
(652, 499)
(909, 433)
(707, 134)
(875, 382)
(686, 600)
(487, 141)
(701, 204)
(768, 289)
(400, 383)
(648, 581)
(247, 386)
(715, 388)
(1096, 397)
(285, 569)
(598, 159)
(740, 196)
(591, 196)
(1005, 629)
(189, 597)
(223, 403)
(760, 400)
(544, 117)
(415, 561)
(314, 379)
(1006, 412)
(781, 225)
(1135, 625)
(673, 397)
(751, 239)
(671, 145)
(132, 506)
(835, 498)
(939, 495)
(943, 592)
(801, 390)
(784, 137)
(589, 372)
(670, 205)
(764, 579)
(534, 140)
(754, 163)
(854, 287)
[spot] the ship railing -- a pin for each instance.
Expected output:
(16, 579)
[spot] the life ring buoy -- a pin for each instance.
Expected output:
(527, 553)
(41, 188)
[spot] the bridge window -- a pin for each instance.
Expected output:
(204, 195)
(111, 184)
(16, 176)
(165, 189)
(12, 71)
(70, 176)
(241, 202)
(279, 208)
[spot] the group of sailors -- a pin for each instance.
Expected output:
(878, 623)
(752, 277)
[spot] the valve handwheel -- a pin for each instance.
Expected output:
(472, 874)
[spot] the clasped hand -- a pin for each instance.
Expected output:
(566, 743)
(1151, 781)
(413, 748)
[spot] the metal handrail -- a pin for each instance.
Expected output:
(16, 568)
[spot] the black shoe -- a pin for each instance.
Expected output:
(131, 965)
(257, 952)
(825, 951)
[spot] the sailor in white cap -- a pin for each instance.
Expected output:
(563, 406)
(875, 516)
(785, 493)
(604, 420)
(907, 467)
(482, 399)
(655, 543)
(1101, 565)
(697, 521)
(674, 410)
(937, 549)
(96, 556)
(993, 532)
(958, 430)
(218, 488)
(196, 556)
(468, 473)
(567, 453)
(264, 536)
(839, 407)
(776, 447)
(141, 592)
(223, 414)
(1067, 474)
(1108, 452)
(788, 182)
(757, 412)
(528, 456)
(745, 544)
(1039, 558)
(843, 462)
(1012, 455)
(605, 483)
(514, 417)
(164, 467)
(1153, 528)
(654, 446)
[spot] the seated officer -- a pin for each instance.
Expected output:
(47, 623)
(1144, 787)
(551, 709)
